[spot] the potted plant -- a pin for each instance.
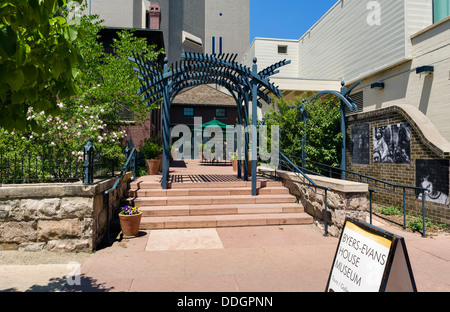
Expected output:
(130, 220)
(151, 152)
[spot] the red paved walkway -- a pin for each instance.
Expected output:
(294, 258)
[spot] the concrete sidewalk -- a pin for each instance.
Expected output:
(294, 258)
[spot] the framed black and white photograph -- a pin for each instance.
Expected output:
(432, 174)
(392, 144)
(360, 144)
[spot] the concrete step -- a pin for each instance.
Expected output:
(215, 221)
(206, 191)
(212, 200)
(139, 185)
(226, 209)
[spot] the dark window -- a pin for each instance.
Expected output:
(213, 45)
(221, 112)
(126, 114)
(188, 112)
(282, 49)
(220, 45)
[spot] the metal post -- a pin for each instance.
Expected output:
(326, 211)
(343, 130)
(239, 138)
(304, 117)
(166, 129)
(254, 128)
(404, 210)
(370, 201)
(247, 101)
(88, 154)
(423, 214)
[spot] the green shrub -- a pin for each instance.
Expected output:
(151, 150)
(391, 211)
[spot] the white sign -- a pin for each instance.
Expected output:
(369, 259)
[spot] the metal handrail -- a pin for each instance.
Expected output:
(375, 180)
(129, 165)
(290, 165)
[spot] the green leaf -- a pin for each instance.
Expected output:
(16, 80)
(8, 41)
(73, 33)
(31, 94)
(17, 97)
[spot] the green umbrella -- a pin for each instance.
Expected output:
(216, 123)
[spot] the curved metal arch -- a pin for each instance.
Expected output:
(246, 85)
(262, 79)
(350, 104)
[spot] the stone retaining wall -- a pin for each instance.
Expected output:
(345, 199)
(56, 217)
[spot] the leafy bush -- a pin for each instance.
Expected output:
(106, 85)
(151, 150)
(391, 211)
(322, 130)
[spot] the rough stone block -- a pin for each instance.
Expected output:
(76, 207)
(32, 247)
(52, 229)
(18, 232)
(72, 245)
(6, 206)
(34, 209)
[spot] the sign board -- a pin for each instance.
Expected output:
(369, 259)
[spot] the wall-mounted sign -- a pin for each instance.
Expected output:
(392, 144)
(369, 259)
(360, 144)
(432, 174)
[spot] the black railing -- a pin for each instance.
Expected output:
(130, 165)
(375, 185)
(18, 168)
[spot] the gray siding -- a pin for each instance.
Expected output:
(342, 45)
(229, 20)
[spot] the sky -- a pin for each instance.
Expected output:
(285, 19)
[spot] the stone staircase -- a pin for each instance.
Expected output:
(215, 204)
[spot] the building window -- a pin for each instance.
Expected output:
(213, 45)
(282, 49)
(188, 112)
(441, 9)
(220, 46)
(221, 112)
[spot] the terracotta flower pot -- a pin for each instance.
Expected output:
(235, 164)
(152, 166)
(130, 224)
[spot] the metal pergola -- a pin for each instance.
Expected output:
(244, 84)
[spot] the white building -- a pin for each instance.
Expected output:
(386, 41)
(204, 26)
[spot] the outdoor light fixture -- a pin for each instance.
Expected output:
(425, 70)
(377, 85)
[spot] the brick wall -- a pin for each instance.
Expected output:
(424, 144)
